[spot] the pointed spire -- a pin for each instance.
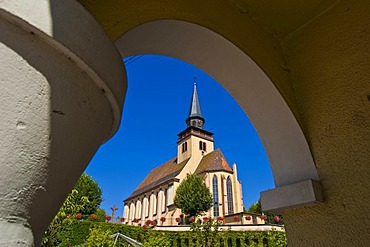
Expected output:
(195, 117)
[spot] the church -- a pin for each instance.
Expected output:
(153, 199)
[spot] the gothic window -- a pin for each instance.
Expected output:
(165, 200)
(146, 207)
(202, 146)
(154, 205)
(138, 209)
(229, 190)
(186, 146)
(215, 196)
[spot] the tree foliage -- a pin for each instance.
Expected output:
(87, 187)
(83, 201)
(99, 238)
(271, 218)
(255, 208)
(192, 196)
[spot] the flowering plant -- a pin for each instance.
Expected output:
(236, 218)
(78, 216)
(163, 219)
(277, 219)
(219, 218)
(122, 219)
(177, 219)
(192, 219)
(248, 217)
(263, 217)
(205, 218)
(93, 217)
(145, 227)
(108, 218)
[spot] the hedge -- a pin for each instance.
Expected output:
(76, 234)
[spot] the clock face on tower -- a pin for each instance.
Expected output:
(200, 123)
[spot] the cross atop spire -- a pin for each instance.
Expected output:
(195, 117)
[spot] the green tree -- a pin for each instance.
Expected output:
(192, 196)
(83, 201)
(255, 208)
(271, 218)
(89, 188)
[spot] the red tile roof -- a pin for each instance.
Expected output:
(214, 161)
(159, 175)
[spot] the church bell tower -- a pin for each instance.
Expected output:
(194, 142)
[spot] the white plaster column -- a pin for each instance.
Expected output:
(236, 191)
(58, 103)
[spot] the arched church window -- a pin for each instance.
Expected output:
(215, 196)
(200, 145)
(186, 146)
(229, 190)
(204, 146)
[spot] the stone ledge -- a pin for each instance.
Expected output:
(305, 193)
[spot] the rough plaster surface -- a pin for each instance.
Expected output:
(55, 113)
(71, 26)
(329, 61)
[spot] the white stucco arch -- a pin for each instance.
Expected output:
(290, 158)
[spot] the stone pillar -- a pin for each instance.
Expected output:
(58, 103)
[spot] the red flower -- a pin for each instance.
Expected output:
(236, 218)
(163, 219)
(247, 217)
(78, 216)
(205, 218)
(93, 217)
(192, 219)
(145, 227)
(263, 217)
(219, 218)
(108, 218)
(177, 219)
(122, 219)
(276, 218)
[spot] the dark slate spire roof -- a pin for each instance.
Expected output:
(195, 106)
(194, 112)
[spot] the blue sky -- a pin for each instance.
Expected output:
(147, 137)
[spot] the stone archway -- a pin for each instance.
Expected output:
(294, 171)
